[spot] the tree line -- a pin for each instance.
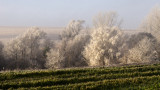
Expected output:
(103, 44)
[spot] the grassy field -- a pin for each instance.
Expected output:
(124, 77)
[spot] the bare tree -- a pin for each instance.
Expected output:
(151, 24)
(108, 19)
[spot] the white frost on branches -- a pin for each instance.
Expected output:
(102, 47)
(26, 46)
(68, 50)
(143, 52)
(109, 19)
(151, 23)
(72, 29)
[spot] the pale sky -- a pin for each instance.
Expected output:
(57, 13)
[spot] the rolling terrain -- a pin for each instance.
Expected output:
(124, 77)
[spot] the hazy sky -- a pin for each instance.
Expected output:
(57, 13)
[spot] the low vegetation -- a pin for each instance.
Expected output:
(124, 77)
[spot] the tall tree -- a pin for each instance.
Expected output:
(151, 24)
(103, 47)
(69, 49)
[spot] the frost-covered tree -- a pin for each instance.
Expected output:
(109, 19)
(55, 59)
(151, 24)
(26, 49)
(144, 51)
(72, 29)
(102, 49)
(140, 48)
(67, 53)
(74, 50)
(46, 45)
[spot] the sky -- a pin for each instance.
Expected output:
(57, 13)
